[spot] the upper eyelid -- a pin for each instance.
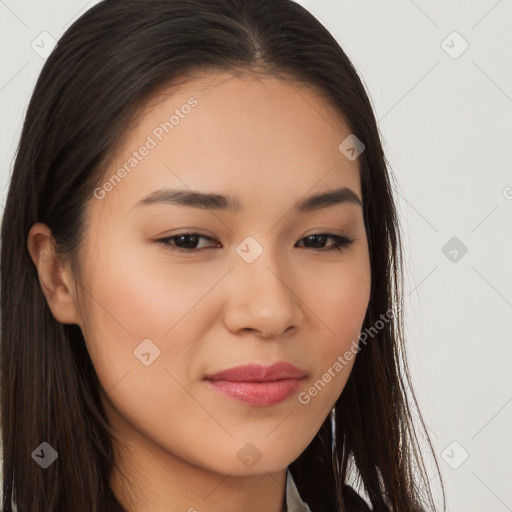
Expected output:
(324, 232)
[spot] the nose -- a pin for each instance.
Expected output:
(262, 299)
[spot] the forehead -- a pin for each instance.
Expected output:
(259, 139)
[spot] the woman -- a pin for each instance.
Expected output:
(201, 273)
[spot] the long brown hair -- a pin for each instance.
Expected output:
(104, 68)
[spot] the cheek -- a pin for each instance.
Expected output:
(129, 301)
(138, 293)
(340, 298)
(172, 306)
(338, 302)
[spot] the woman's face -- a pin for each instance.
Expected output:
(158, 318)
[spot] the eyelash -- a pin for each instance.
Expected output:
(341, 242)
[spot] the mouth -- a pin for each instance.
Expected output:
(256, 384)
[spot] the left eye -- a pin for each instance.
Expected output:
(187, 242)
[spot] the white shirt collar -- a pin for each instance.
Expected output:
(294, 502)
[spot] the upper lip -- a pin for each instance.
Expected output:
(258, 373)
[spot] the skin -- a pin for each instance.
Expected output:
(269, 144)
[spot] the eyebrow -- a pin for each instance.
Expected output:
(209, 201)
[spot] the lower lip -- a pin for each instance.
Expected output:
(257, 393)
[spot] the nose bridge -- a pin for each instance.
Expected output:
(264, 299)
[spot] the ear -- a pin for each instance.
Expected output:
(54, 277)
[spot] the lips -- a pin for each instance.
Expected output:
(258, 373)
(257, 385)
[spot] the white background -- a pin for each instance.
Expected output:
(446, 125)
